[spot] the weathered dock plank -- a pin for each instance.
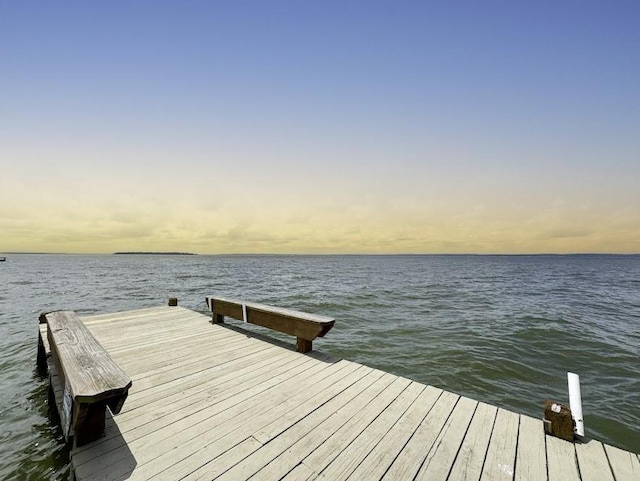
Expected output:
(353, 455)
(285, 452)
(209, 424)
(499, 463)
(218, 393)
(209, 401)
(413, 454)
(593, 462)
(324, 454)
(561, 460)
(625, 465)
(530, 458)
(442, 454)
(300, 473)
(242, 428)
(470, 458)
(382, 456)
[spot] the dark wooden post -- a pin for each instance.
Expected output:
(41, 358)
(557, 420)
(173, 301)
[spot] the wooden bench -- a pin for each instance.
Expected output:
(84, 377)
(306, 327)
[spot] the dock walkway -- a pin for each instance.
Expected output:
(209, 401)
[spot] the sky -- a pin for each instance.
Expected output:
(320, 127)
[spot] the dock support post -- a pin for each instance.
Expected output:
(173, 301)
(41, 358)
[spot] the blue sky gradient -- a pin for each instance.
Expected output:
(320, 126)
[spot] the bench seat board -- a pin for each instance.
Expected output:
(88, 370)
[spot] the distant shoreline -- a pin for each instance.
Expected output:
(156, 253)
(267, 254)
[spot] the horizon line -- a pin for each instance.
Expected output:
(177, 253)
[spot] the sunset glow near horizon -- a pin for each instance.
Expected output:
(320, 127)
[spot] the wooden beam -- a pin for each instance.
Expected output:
(305, 326)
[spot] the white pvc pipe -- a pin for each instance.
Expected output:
(575, 402)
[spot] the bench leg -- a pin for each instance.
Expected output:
(88, 422)
(304, 345)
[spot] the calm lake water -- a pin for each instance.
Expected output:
(500, 329)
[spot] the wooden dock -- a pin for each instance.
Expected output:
(210, 401)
